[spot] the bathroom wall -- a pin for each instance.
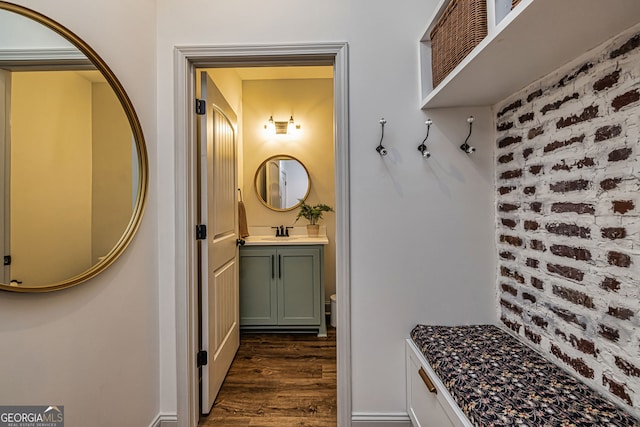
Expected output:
(568, 217)
(310, 101)
(94, 348)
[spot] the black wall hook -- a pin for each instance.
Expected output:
(380, 149)
(465, 146)
(422, 148)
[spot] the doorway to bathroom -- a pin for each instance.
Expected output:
(285, 154)
(280, 58)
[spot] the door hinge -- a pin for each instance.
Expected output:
(7, 260)
(201, 232)
(203, 358)
(201, 107)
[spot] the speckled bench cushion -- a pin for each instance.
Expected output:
(498, 381)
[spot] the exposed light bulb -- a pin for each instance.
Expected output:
(291, 127)
(270, 127)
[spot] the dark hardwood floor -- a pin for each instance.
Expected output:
(283, 380)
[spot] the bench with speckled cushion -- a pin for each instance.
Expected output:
(498, 381)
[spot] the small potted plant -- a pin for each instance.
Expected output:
(313, 214)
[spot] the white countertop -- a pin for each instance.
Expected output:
(266, 236)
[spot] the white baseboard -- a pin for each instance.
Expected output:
(165, 420)
(380, 420)
(357, 420)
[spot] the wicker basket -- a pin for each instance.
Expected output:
(514, 3)
(461, 27)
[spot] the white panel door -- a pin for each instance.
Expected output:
(219, 284)
(5, 170)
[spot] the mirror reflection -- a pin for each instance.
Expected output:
(72, 175)
(281, 182)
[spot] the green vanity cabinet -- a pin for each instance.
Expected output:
(282, 288)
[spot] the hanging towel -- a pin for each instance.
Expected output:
(243, 229)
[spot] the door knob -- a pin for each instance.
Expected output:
(240, 242)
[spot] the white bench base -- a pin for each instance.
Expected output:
(426, 408)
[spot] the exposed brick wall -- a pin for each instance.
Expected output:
(568, 217)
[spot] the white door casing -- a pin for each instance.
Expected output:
(219, 256)
(186, 60)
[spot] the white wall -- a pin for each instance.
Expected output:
(422, 231)
(94, 348)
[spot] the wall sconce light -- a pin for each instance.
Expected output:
(288, 127)
(380, 149)
(270, 127)
(466, 147)
(291, 127)
(422, 148)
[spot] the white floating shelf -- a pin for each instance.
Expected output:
(534, 39)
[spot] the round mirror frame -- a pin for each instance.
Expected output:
(136, 129)
(264, 202)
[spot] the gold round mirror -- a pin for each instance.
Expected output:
(281, 182)
(74, 162)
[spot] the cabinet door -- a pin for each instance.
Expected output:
(299, 277)
(423, 405)
(258, 293)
